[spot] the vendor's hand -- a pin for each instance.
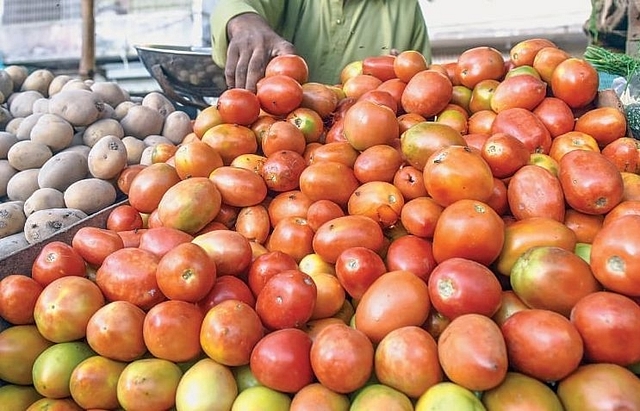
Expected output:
(252, 43)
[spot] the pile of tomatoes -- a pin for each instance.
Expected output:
(447, 236)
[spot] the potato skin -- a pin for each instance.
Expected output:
(45, 223)
(107, 158)
(62, 170)
(90, 195)
(42, 199)
(12, 218)
(28, 154)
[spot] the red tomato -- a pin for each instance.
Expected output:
(556, 115)
(504, 154)
(320, 98)
(552, 278)
(420, 215)
(291, 65)
(407, 360)
(58, 259)
(479, 63)
(342, 358)
(231, 140)
(547, 59)
(160, 240)
(281, 170)
(279, 94)
(282, 135)
(408, 63)
(411, 253)
(281, 360)
(542, 344)
(393, 300)
(524, 52)
(451, 235)
(239, 106)
(473, 353)
(598, 386)
(335, 236)
(410, 182)
(171, 330)
(196, 159)
(239, 187)
(292, 203)
(378, 163)
(123, 218)
(354, 87)
(286, 300)
(381, 67)
(65, 306)
(623, 152)
(94, 244)
(186, 272)
(227, 287)
(253, 223)
(309, 122)
(293, 236)
(129, 274)
(584, 225)
(460, 286)
(535, 192)
(590, 182)
(509, 304)
(115, 331)
(525, 126)
(431, 83)
(518, 91)
(457, 172)
(230, 251)
(614, 254)
(572, 140)
(379, 121)
(602, 337)
(150, 184)
(321, 211)
(18, 296)
(328, 180)
(266, 266)
(575, 81)
(93, 383)
(357, 268)
(380, 97)
(148, 384)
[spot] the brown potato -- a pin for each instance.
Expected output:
(78, 107)
(23, 184)
(107, 158)
(141, 121)
(104, 127)
(52, 130)
(90, 195)
(39, 81)
(27, 154)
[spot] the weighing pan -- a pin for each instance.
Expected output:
(186, 74)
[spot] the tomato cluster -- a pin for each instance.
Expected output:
(417, 236)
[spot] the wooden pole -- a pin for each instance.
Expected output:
(88, 57)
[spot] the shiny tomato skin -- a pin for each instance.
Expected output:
(265, 266)
(575, 81)
(186, 273)
(600, 386)
(602, 338)
(457, 172)
(552, 278)
(505, 154)
(171, 330)
(238, 106)
(556, 115)
(509, 304)
(286, 300)
(281, 360)
(479, 63)
(18, 296)
(94, 244)
(227, 287)
(524, 52)
(357, 268)
(335, 236)
(130, 274)
(279, 94)
(411, 253)
(614, 254)
(229, 332)
(605, 124)
(342, 358)
(542, 344)
(328, 180)
(590, 182)
(124, 217)
(293, 236)
(518, 91)
(230, 251)
(65, 306)
(379, 121)
(160, 240)
(57, 259)
(420, 215)
(535, 192)
(395, 299)
(525, 126)
(379, 200)
(115, 331)
(457, 221)
(427, 83)
(291, 65)
(381, 67)
(150, 184)
(460, 286)
(473, 352)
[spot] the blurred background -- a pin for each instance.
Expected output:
(46, 33)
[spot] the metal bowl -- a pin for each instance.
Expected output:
(186, 74)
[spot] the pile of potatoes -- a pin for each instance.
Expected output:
(63, 144)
